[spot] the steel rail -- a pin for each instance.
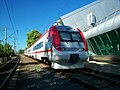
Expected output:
(10, 74)
(112, 78)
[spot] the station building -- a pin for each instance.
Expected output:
(100, 23)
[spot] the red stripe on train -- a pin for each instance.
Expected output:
(50, 50)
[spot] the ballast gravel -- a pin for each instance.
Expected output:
(35, 76)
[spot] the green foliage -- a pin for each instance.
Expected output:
(20, 51)
(1, 50)
(6, 50)
(32, 37)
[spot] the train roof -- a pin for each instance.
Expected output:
(65, 28)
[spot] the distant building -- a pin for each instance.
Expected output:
(100, 23)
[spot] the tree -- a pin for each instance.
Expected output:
(6, 50)
(1, 50)
(32, 37)
(20, 51)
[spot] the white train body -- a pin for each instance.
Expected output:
(62, 46)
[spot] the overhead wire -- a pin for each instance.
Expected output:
(12, 11)
(63, 7)
(59, 11)
(13, 15)
(11, 21)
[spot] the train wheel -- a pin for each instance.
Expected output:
(42, 60)
(49, 63)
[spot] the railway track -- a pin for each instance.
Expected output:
(113, 78)
(7, 71)
(93, 80)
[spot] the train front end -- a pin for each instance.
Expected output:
(69, 49)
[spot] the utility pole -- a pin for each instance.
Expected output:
(14, 45)
(5, 36)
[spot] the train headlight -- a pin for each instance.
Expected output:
(82, 49)
(63, 49)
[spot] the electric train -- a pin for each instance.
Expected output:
(62, 47)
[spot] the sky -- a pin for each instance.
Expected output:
(22, 16)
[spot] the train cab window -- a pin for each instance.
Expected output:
(65, 36)
(76, 36)
(70, 36)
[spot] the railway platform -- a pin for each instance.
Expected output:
(111, 68)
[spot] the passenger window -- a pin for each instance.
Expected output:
(76, 37)
(38, 46)
(65, 36)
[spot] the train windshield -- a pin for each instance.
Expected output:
(70, 36)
